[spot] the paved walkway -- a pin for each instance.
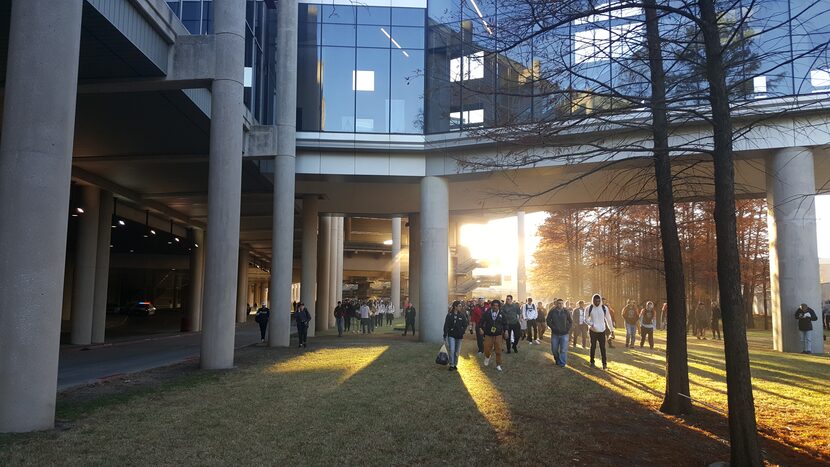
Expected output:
(87, 364)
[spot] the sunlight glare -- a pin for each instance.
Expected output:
(349, 361)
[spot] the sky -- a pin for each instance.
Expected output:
(497, 242)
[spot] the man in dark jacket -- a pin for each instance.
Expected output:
(409, 318)
(302, 316)
(715, 320)
(559, 321)
(339, 315)
(805, 316)
(511, 312)
(492, 327)
(262, 316)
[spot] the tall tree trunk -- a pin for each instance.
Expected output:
(744, 448)
(677, 366)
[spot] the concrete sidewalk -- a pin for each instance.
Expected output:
(80, 365)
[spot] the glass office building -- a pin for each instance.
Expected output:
(437, 66)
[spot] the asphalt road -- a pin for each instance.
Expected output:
(87, 364)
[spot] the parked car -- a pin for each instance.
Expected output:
(142, 309)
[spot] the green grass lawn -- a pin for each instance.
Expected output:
(380, 400)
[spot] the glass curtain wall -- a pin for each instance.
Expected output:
(196, 15)
(360, 69)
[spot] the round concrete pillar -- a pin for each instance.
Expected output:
(197, 275)
(434, 257)
(83, 293)
(333, 236)
(242, 285)
(35, 168)
(323, 254)
(793, 250)
(102, 269)
(396, 263)
(308, 284)
(415, 261)
(339, 257)
(224, 186)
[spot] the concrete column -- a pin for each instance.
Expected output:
(224, 185)
(340, 240)
(323, 253)
(102, 269)
(308, 285)
(793, 247)
(434, 257)
(332, 272)
(242, 285)
(284, 170)
(197, 277)
(35, 168)
(521, 274)
(83, 293)
(415, 261)
(396, 263)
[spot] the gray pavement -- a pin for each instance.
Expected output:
(80, 365)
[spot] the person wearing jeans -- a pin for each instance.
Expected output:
(805, 316)
(531, 314)
(492, 326)
(647, 322)
(511, 312)
(455, 325)
(475, 319)
(598, 319)
(559, 321)
(303, 317)
(630, 316)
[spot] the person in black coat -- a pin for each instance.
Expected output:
(409, 319)
(262, 315)
(303, 317)
(805, 316)
(492, 327)
(455, 324)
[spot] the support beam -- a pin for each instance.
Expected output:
(521, 272)
(415, 261)
(35, 166)
(308, 281)
(284, 170)
(102, 269)
(793, 247)
(242, 285)
(197, 278)
(224, 186)
(434, 257)
(340, 239)
(396, 263)
(332, 272)
(323, 253)
(86, 247)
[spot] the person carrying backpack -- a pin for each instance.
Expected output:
(531, 314)
(805, 316)
(303, 317)
(455, 324)
(598, 319)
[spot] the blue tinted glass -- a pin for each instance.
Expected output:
(408, 38)
(192, 16)
(309, 13)
(373, 36)
(371, 84)
(770, 44)
(338, 34)
(207, 18)
(308, 34)
(175, 7)
(444, 11)
(338, 14)
(407, 17)
(373, 15)
(407, 84)
(811, 36)
(308, 89)
(337, 67)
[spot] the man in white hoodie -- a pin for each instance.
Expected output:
(531, 314)
(599, 321)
